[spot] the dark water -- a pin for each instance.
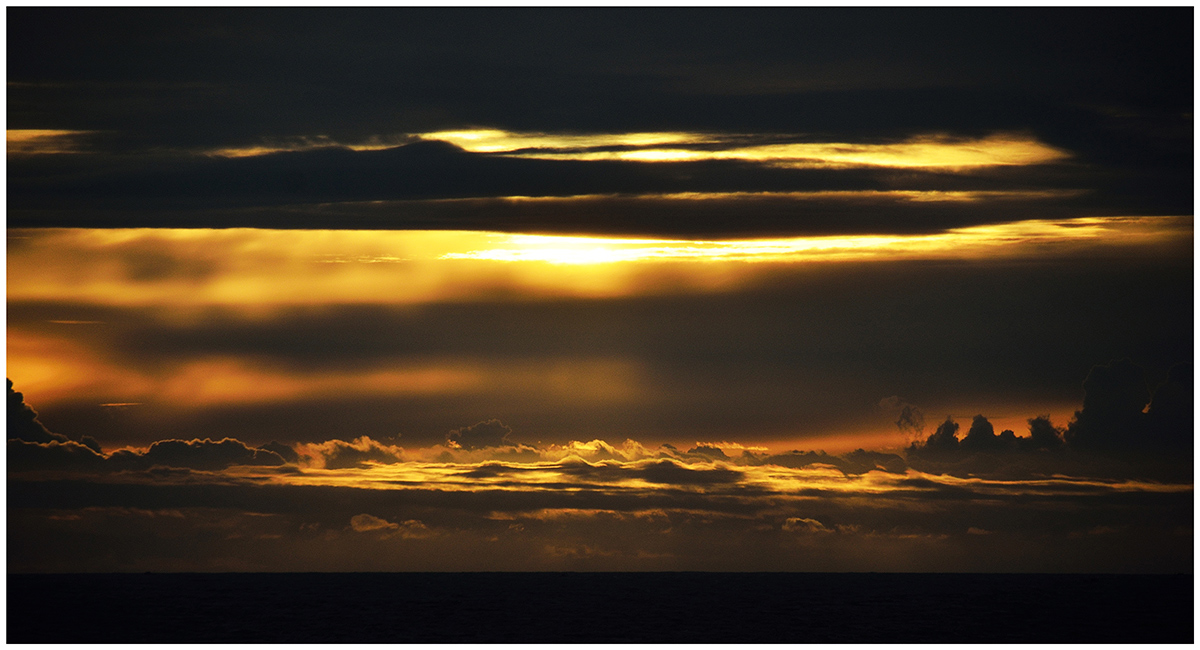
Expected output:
(598, 608)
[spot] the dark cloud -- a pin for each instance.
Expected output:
(708, 451)
(491, 433)
(408, 187)
(52, 456)
(151, 87)
(32, 447)
(1043, 434)
(203, 454)
(1116, 433)
(944, 439)
(23, 424)
(282, 71)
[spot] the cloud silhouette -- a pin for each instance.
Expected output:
(1112, 417)
(492, 433)
(23, 424)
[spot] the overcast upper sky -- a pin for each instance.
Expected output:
(645, 283)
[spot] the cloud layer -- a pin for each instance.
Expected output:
(951, 505)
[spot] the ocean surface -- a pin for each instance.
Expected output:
(599, 608)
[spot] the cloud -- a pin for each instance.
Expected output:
(1118, 418)
(365, 523)
(943, 440)
(1119, 415)
(410, 529)
(340, 454)
(206, 454)
(286, 452)
(1114, 402)
(804, 525)
(33, 447)
(856, 462)
(52, 456)
(1120, 431)
(492, 433)
(23, 424)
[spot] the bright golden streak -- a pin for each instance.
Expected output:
(773, 480)
(41, 141)
(308, 143)
(264, 269)
(932, 151)
(958, 242)
(925, 151)
(496, 141)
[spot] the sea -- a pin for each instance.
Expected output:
(479, 608)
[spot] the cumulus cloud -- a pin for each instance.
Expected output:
(23, 424)
(340, 454)
(53, 456)
(805, 525)
(206, 454)
(33, 447)
(1119, 431)
(492, 433)
(1114, 402)
(410, 529)
(1120, 416)
(366, 523)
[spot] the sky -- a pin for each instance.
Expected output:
(784, 289)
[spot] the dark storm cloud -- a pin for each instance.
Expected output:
(149, 86)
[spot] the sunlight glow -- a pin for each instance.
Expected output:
(934, 151)
(42, 141)
(263, 269)
(931, 151)
(495, 140)
(965, 242)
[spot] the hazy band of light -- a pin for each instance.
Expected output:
(938, 151)
(913, 196)
(770, 480)
(923, 151)
(42, 141)
(257, 269)
(965, 242)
